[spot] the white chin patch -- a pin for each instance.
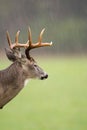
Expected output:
(26, 82)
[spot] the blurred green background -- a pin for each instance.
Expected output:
(60, 102)
(65, 22)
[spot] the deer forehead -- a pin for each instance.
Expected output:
(27, 65)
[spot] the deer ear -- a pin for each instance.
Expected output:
(10, 55)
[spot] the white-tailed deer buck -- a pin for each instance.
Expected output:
(24, 67)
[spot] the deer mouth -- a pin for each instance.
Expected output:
(44, 77)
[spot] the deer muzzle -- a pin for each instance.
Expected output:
(44, 77)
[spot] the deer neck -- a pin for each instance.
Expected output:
(13, 75)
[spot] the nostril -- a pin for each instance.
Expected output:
(44, 77)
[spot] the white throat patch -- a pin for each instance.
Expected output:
(26, 82)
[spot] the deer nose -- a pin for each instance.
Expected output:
(44, 77)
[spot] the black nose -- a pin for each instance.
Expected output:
(44, 77)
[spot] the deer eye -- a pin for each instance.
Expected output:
(35, 65)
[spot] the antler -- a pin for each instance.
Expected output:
(28, 45)
(16, 44)
(35, 45)
(39, 43)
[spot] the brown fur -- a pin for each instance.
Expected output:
(13, 78)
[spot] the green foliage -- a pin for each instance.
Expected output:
(56, 103)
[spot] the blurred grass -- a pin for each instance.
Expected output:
(58, 103)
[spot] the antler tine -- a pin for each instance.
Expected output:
(40, 44)
(16, 37)
(9, 40)
(29, 36)
(41, 34)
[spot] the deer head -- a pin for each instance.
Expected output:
(27, 62)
